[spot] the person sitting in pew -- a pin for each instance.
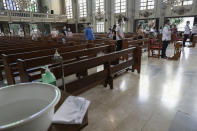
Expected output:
(89, 34)
(39, 33)
(33, 34)
(54, 33)
(21, 33)
(69, 33)
(63, 38)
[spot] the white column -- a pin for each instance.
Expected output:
(75, 13)
(131, 14)
(108, 14)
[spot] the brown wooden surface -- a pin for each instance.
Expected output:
(69, 57)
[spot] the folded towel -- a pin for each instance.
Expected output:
(72, 111)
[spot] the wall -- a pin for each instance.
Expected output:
(57, 6)
(133, 13)
(110, 19)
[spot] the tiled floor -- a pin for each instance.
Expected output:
(161, 98)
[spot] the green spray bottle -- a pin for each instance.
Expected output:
(48, 77)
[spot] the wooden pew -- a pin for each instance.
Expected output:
(13, 51)
(26, 67)
(103, 77)
(10, 61)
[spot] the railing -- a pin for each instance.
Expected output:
(30, 16)
(3, 13)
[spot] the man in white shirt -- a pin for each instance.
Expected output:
(119, 35)
(186, 33)
(166, 37)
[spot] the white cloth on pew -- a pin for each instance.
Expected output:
(72, 111)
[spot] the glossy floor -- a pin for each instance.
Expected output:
(162, 98)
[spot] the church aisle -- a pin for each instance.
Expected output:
(163, 97)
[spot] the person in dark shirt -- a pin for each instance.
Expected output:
(64, 31)
(114, 32)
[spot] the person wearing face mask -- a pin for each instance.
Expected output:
(186, 33)
(89, 34)
(119, 35)
(166, 38)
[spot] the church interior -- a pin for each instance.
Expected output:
(98, 65)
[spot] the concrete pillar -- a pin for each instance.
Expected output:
(1, 5)
(131, 14)
(161, 8)
(90, 4)
(108, 14)
(75, 13)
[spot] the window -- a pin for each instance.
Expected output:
(120, 6)
(146, 4)
(82, 8)
(11, 5)
(100, 27)
(69, 12)
(100, 5)
(184, 2)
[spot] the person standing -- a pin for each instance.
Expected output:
(166, 38)
(140, 32)
(114, 32)
(109, 34)
(33, 34)
(89, 34)
(64, 31)
(175, 30)
(119, 35)
(186, 33)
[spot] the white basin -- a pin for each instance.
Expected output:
(27, 107)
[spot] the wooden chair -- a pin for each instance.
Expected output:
(155, 47)
(194, 41)
(177, 51)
